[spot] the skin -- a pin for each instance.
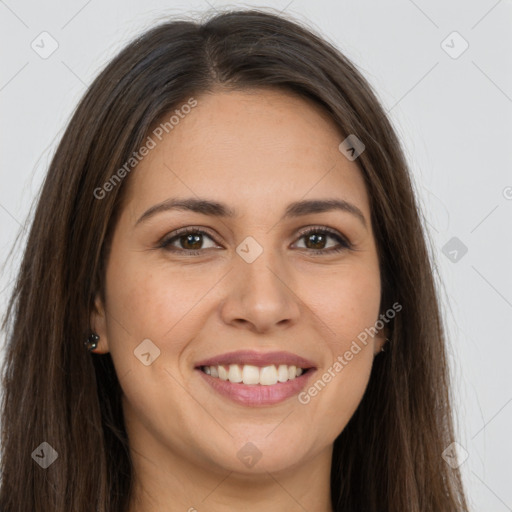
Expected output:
(257, 151)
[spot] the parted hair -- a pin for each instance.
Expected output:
(388, 457)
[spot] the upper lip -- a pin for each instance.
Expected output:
(257, 359)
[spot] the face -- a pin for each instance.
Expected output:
(257, 293)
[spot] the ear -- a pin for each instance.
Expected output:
(98, 322)
(380, 340)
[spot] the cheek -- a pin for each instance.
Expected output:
(347, 304)
(347, 308)
(341, 388)
(152, 300)
(150, 304)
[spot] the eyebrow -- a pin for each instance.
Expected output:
(216, 209)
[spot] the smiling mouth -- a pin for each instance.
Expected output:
(255, 375)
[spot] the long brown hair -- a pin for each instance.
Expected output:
(388, 458)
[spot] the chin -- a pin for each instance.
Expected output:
(264, 451)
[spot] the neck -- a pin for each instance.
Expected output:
(165, 481)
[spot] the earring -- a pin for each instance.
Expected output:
(92, 342)
(382, 349)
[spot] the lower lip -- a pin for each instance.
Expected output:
(254, 395)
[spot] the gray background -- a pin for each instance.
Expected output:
(452, 112)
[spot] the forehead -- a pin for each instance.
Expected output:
(247, 147)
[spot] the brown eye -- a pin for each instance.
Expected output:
(316, 240)
(187, 240)
(191, 241)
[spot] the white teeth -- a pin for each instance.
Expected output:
(251, 375)
(282, 373)
(235, 374)
(268, 375)
(223, 373)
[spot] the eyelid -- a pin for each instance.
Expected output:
(343, 242)
(166, 240)
(330, 231)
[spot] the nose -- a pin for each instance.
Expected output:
(260, 295)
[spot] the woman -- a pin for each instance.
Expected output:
(229, 225)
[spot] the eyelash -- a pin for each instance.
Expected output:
(344, 243)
